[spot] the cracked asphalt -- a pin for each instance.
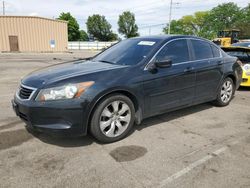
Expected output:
(200, 146)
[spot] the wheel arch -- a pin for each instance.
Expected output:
(232, 76)
(130, 95)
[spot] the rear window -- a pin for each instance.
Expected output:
(202, 49)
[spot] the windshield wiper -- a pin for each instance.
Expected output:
(104, 61)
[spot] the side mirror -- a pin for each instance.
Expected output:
(163, 63)
(159, 64)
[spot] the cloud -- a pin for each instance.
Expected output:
(147, 12)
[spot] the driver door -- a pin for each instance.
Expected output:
(172, 87)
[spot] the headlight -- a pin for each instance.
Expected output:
(246, 67)
(63, 92)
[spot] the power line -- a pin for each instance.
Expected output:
(154, 25)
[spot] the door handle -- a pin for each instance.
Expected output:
(189, 69)
(219, 62)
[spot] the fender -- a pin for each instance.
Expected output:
(123, 90)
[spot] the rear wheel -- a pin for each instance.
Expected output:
(226, 92)
(112, 118)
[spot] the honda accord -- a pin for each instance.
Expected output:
(128, 82)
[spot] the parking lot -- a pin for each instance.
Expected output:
(200, 146)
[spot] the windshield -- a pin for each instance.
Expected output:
(128, 52)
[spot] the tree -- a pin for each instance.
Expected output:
(224, 16)
(207, 24)
(73, 26)
(243, 23)
(99, 28)
(191, 25)
(83, 36)
(127, 25)
(176, 28)
(113, 37)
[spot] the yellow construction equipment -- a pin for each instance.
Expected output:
(227, 37)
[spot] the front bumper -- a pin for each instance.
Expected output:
(65, 117)
(245, 80)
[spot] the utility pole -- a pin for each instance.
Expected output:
(3, 8)
(170, 15)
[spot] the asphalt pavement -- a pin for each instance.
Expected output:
(200, 146)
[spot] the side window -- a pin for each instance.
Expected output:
(216, 51)
(176, 50)
(202, 49)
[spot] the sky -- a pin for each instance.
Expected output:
(151, 15)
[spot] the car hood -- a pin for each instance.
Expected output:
(64, 71)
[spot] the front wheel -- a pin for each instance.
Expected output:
(113, 118)
(225, 93)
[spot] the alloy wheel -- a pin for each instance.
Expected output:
(115, 118)
(226, 91)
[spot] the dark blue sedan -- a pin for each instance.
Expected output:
(128, 82)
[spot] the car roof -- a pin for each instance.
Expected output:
(169, 37)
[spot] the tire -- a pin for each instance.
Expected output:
(225, 93)
(113, 118)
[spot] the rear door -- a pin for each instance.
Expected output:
(171, 87)
(208, 65)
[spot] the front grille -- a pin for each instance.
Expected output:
(25, 92)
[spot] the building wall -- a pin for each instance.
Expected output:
(35, 34)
